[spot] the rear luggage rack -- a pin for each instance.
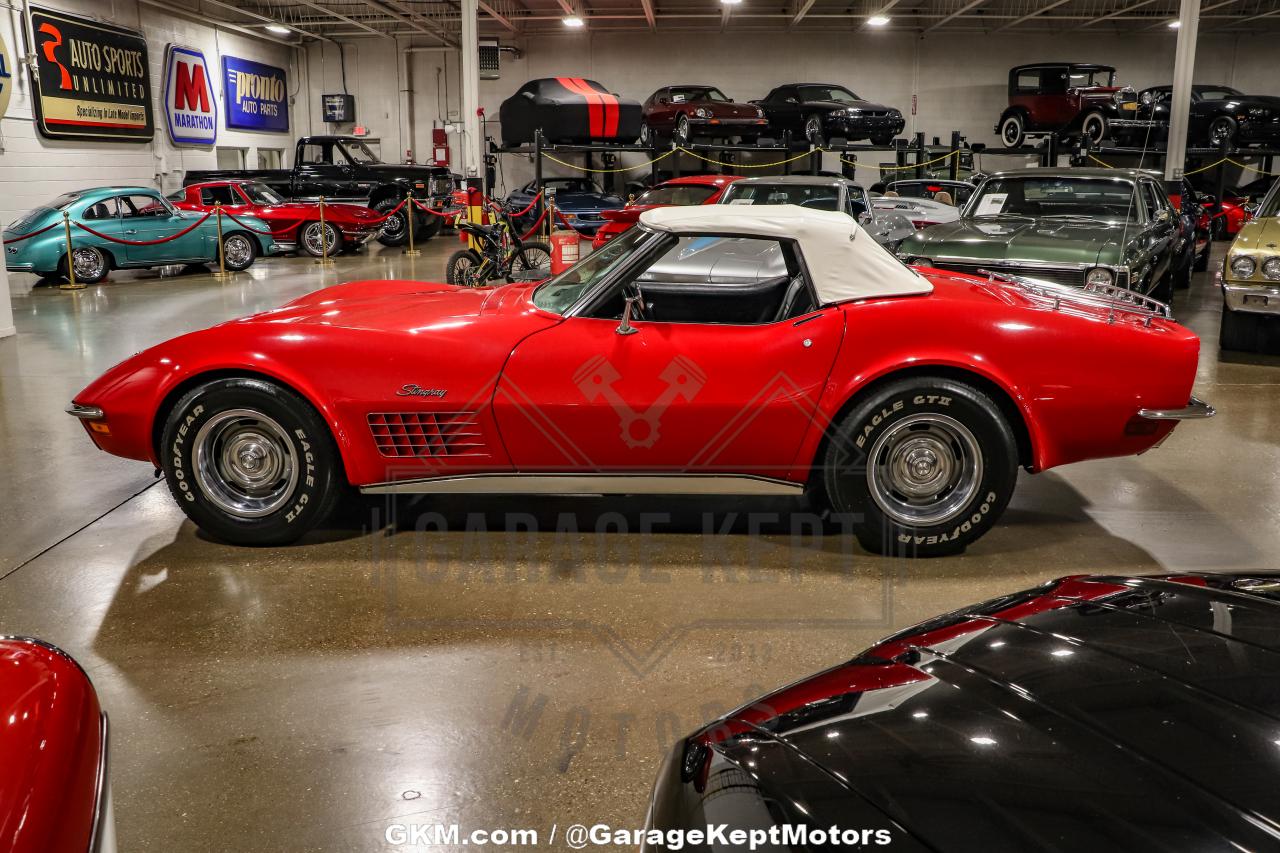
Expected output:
(1108, 296)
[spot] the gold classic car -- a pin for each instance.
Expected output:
(1251, 280)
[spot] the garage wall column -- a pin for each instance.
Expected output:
(1184, 67)
(473, 139)
(6, 304)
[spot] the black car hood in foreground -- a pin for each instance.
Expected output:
(846, 105)
(1090, 714)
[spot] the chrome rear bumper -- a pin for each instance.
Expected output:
(1196, 409)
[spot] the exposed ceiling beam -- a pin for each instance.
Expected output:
(1164, 22)
(965, 8)
(1052, 5)
(647, 5)
(805, 6)
(412, 18)
(1236, 22)
(227, 25)
(319, 8)
(489, 10)
(266, 19)
(1117, 13)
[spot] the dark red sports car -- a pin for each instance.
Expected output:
(295, 225)
(55, 796)
(677, 192)
(683, 113)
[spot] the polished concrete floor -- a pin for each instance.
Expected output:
(423, 664)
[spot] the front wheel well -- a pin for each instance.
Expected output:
(387, 191)
(178, 391)
(1008, 408)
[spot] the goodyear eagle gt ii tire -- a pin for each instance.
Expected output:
(924, 466)
(250, 462)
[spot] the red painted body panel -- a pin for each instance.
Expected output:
(50, 750)
(618, 221)
(575, 396)
(353, 220)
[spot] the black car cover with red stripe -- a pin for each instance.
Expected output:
(569, 110)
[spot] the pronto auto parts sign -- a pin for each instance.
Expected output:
(256, 95)
(190, 105)
(90, 80)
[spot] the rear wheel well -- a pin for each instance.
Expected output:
(1008, 408)
(387, 191)
(178, 391)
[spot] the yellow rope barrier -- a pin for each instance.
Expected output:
(800, 156)
(1102, 162)
(1252, 168)
(946, 156)
(1212, 165)
(610, 171)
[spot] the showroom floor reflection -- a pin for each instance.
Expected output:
(500, 662)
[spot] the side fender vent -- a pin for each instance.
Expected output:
(430, 434)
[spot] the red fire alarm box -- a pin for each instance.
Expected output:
(439, 146)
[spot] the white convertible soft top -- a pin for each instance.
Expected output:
(844, 261)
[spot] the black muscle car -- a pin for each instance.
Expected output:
(1219, 114)
(1091, 713)
(821, 111)
(571, 110)
(344, 169)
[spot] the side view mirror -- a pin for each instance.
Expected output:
(1163, 216)
(1251, 208)
(631, 302)
(865, 218)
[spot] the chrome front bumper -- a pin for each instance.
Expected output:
(85, 413)
(1254, 298)
(1195, 410)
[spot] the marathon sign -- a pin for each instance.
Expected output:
(256, 95)
(90, 80)
(190, 104)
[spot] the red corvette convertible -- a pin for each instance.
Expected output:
(677, 192)
(295, 224)
(709, 350)
(55, 795)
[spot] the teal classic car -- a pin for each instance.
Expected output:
(141, 219)
(1079, 227)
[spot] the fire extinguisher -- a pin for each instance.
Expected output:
(564, 241)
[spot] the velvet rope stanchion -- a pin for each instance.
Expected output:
(412, 251)
(324, 260)
(71, 283)
(222, 255)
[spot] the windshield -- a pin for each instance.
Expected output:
(1219, 93)
(823, 197)
(828, 93)
(1081, 79)
(359, 154)
(567, 185)
(929, 189)
(693, 94)
(1271, 204)
(561, 292)
(1095, 198)
(261, 193)
(677, 195)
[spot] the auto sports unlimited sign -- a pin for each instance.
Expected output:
(190, 104)
(6, 77)
(257, 95)
(90, 80)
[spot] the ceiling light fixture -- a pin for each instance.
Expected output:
(574, 22)
(730, 2)
(878, 20)
(1173, 25)
(278, 29)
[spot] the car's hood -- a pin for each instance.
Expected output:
(630, 213)
(998, 721)
(844, 105)
(1022, 239)
(1258, 235)
(1248, 100)
(593, 201)
(354, 211)
(731, 110)
(392, 306)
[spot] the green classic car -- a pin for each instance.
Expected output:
(1251, 281)
(1067, 226)
(126, 228)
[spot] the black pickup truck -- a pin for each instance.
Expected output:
(343, 169)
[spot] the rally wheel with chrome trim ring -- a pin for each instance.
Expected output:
(250, 462)
(90, 263)
(317, 241)
(239, 251)
(1012, 131)
(922, 466)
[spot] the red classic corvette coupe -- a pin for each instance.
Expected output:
(55, 796)
(712, 349)
(295, 224)
(677, 192)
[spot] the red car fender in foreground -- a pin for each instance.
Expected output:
(54, 792)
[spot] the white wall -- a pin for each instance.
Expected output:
(34, 170)
(960, 80)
